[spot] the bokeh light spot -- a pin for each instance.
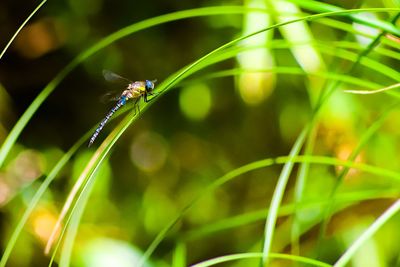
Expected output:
(255, 87)
(195, 101)
(43, 224)
(149, 151)
(104, 252)
(159, 209)
(28, 165)
(40, 38)
(5, 191)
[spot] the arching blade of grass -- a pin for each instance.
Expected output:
(303, 170)
(369, 92)
(73, 224)
(341, 53)
(351, 80)
(389, 213)
(364, 139)
(255, 255)
(179, 256)
(344, 200)
(340, 177)
(285, 174)
(39, 193)
(258, 165)
(89, 171)
(104, 149)
(82, 186)
(24, 119)
(321, 7)
(35, 200)
(279, 191)
(20, 28)
(182, 74)
(206, 11)
(284, 177)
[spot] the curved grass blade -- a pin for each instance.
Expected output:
(166, 85)
(369, 92)
(179, 255)
(20, 28)
(85, 179)
(109, 142)
(340, 177)
(206, 11)
(345, 200)
(283, 178)
(389, 213)
(304, 168)
(258, 165)
(35, 200)
(279, 191)
(321, 7)
(289, 70)
(31, 110)
(39, 193)
(55, 83)
(366, 136)
(255, 255)
(73, 224)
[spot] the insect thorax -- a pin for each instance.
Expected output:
(135, 90)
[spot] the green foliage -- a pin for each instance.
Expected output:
(341, 138)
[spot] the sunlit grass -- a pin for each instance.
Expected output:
(75, 204)
(20, 28)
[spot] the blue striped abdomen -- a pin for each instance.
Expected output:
(120, 103)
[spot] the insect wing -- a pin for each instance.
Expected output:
(109, 97)
(113, 77)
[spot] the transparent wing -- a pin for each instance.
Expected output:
(113, 77)
(110, 96)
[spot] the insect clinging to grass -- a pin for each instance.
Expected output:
(134, 90)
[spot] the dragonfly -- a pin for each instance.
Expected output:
(134, 90)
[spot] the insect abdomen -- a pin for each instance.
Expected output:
(120, 103)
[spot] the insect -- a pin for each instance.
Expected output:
(134, 90)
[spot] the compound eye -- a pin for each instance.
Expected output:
(149, 85)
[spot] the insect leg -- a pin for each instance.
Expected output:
(136, 106)
(154, 95)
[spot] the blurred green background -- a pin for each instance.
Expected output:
(206, 126)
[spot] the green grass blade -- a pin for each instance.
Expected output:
(318, 6)
(389, 213)
(255, 255)
(76, 209)
(82, 181)
(179, 256)
(104, 149)
(283, 178)
(278, 195)
(369, 92)
(344, 200)
(363, 140)
(206, 11)
(35, 200)
(73, 224)
(366, 136)
(289, 70)
(23, 121)
(20, 28)
(258, 165)
(175, 78)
